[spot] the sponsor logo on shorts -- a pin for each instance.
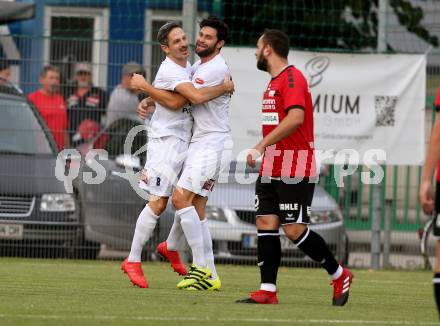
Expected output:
(257, 202)
(289, 207)
(199, 81)
(208, 185)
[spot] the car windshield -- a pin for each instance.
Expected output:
(20, 130)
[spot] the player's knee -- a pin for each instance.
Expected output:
(158, 206)
(266, 223)
(179, 201)
(294, 231)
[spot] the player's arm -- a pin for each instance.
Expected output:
(205, 94)
(170, 100)
(293, 119)
(146, 106)
(175, 101)
(426, 196)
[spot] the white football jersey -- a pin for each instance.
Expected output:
(166, 122)
(212, 116)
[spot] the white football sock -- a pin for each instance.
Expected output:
(337, 274)
(268, 287)
(189, 220)
(207, 246)
(145, 225)
(175, 234)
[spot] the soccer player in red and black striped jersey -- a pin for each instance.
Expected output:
(284, 189)
(431, 204)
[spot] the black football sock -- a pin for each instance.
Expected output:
(314, 246)
(269, 255)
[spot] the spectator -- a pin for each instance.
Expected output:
(430, 200)
(5, 72)
(124, 100)
(84, 101)
(51, 105)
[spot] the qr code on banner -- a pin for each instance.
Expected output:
(385, 106)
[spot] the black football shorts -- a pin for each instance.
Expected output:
(291, 202)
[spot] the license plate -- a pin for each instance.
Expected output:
(250, 242)
(11, 231)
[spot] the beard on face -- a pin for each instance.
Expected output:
(206, 52)
(262, 63)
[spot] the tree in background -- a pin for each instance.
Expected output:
(320, 24)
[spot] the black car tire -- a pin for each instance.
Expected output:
(82, 248)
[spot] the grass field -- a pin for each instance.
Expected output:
(62, 292)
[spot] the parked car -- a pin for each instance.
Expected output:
(111, 208)
(36, 212)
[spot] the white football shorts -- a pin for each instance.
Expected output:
(165, 158)
(205, 159)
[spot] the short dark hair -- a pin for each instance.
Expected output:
(165, 30)
(219, 25)
(48, 68)
(278, 41)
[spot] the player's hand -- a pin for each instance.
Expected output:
(253, 155)
(426, 197)
(137, 82)
(146, 106)
(228, 84)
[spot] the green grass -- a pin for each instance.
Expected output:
(62, 292)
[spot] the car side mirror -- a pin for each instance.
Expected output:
(128, 161)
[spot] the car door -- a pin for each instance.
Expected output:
(112, 205)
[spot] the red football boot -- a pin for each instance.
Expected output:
(261, 297)
(173, 257)
(341, 287)
(135, 273)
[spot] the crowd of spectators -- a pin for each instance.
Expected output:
(73, 109)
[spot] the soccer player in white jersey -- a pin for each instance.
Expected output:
(209, 144)
(169, 134)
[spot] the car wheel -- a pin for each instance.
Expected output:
(82, 248)
(88, 250)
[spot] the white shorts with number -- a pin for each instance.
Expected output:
(165, 157)
(205, 159)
